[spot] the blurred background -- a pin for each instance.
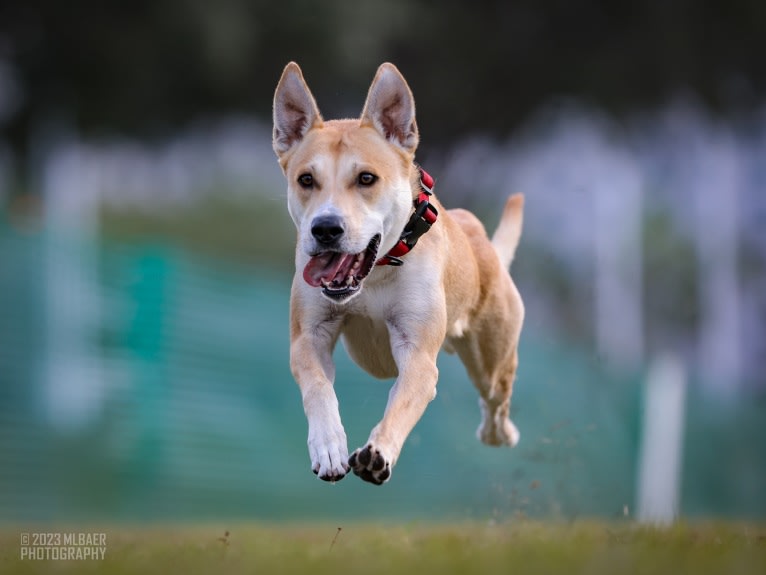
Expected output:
(146, 256)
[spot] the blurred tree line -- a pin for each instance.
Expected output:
(146, 67)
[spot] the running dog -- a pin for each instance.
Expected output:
(360, 205)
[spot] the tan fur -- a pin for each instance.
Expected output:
(453, 290)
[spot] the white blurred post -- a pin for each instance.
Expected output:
(661, 448)
(73, 386)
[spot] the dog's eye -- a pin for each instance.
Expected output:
(306, 180)
(367, 179)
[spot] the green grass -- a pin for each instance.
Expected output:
(519, 547)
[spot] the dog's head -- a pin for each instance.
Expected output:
(349, 182)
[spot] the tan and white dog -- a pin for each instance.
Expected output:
(352, 189)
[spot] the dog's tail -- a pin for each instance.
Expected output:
(508, 232)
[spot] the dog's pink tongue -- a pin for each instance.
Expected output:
(324, 266)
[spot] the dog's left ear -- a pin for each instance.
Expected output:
(390, 108)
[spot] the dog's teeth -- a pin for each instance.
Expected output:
(357, 262)
(349, 280)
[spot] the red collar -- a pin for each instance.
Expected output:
(420, 222)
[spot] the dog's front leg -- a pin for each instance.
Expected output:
(313, 368)
(415, 348)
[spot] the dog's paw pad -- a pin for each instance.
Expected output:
(371, 465)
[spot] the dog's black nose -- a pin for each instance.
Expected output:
(327, 229)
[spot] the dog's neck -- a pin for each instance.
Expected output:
(420, 222)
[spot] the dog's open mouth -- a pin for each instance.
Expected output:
(340, 274)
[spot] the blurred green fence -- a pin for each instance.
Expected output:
(140, 382)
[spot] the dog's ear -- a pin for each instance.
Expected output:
(390, 108)
(295, 111)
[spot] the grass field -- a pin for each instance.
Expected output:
(519, 547)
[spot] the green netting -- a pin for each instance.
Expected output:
(163, 391)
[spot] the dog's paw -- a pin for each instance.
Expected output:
(329, 455)
(496, 428)
(504, 433)
(370, 464)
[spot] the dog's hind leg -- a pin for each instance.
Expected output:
(495, 401)
(488, 344)
(493, 379)
(489, 352)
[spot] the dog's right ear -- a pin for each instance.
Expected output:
(295, 111)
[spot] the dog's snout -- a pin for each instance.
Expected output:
(327, 229)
